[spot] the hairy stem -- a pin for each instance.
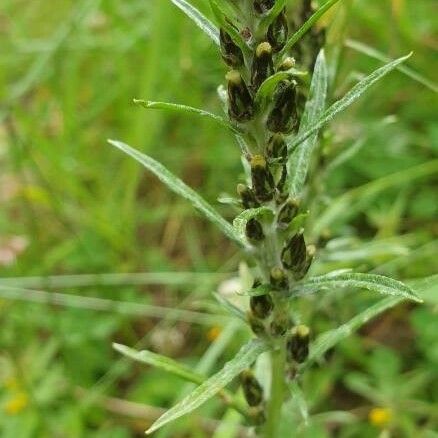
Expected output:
(278, 360)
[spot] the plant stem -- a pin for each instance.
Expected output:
(278, 359)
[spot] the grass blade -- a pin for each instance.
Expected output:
(349, 203)
(347, 100)
(307, 25)
(371, 282)
(244, 358)
(159, 361)
(185, 109)
(105, 305)
(199, 19)
(374, 53)
(179, 187)
(299, 160)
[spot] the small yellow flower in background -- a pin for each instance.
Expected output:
(380, 417)
(16, 404)
(213, 333)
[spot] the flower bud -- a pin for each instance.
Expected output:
(256, 325)
(263, 6)
(251, 388)
(280, 196)
(283, 116)
(262, 180)
(231, 53)
(278, 278)
(257, 414)
(310, 253)
(287, 213)
(247, 196)
(278, 31)
(293, 255)
(280, 325)
(287, 64)
(277, 148)
(298, 344)
(262, 65)
(261, 305)
(254, 230)
(240, 103)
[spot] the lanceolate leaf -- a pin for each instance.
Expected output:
(179, 187)
(299, 160)
(346, 101)
(329, 339)
(244, 358)
(373, 53)
(185, 109)
(372, 282)
(298, 395)
(223, 22)
(273, 13)
(201, 21)
(162, 362)
(230, 307)
(307, 25)
(240, 221)
(263, 289)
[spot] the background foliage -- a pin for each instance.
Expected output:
(73, 205)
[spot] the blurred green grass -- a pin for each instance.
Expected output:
(72, 205)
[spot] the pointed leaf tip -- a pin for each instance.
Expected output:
(180, 188)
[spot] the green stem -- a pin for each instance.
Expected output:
(278, 359)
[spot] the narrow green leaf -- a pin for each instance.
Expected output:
(371, 282)
(222, 17)
(307, 26)
(239, 223)
(263, 289)
(267, 88)
(244, 358)
(346, 101)
(200, 20)
(299, 398)
(179, 187)
(273, 13)
(185, 109)
(299, 160)
(329, 339)
(374, 53)
(157, 360)
(230, 307)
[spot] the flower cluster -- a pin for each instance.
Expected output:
(264, 93)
